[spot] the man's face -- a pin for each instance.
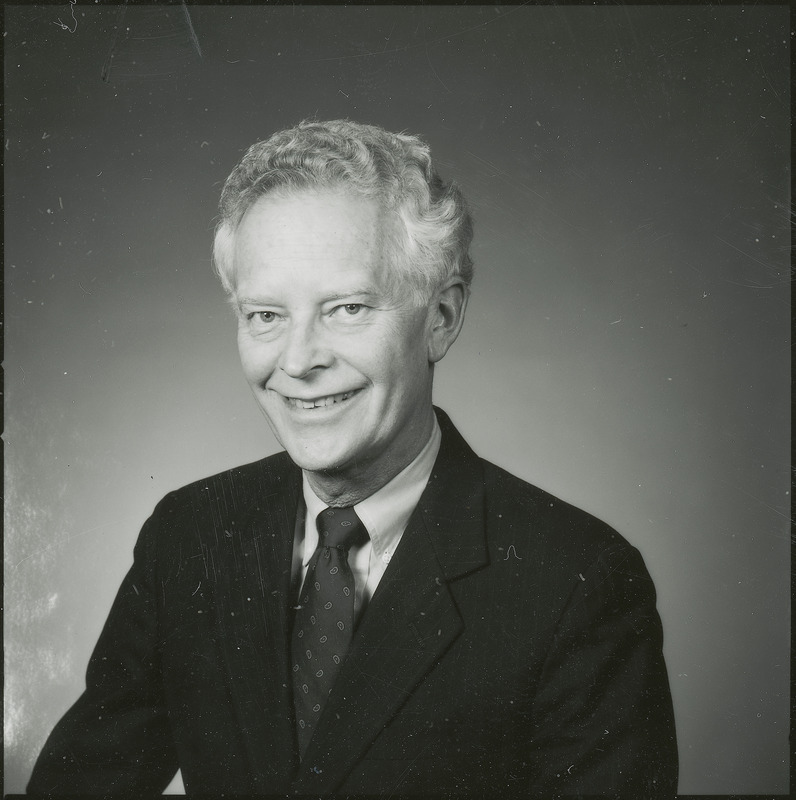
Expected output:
(338, 363)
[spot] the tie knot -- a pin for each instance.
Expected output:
(339, 527)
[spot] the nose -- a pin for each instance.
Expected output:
(304, 348)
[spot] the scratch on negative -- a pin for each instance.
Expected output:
(613, 569)
(194, 37)
(72, 11)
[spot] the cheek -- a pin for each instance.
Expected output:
(412, 354)
(405, 338)
(405, 368)
(255, 359)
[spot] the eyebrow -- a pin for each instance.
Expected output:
(356, 292)
(252, 301)
(263, 301)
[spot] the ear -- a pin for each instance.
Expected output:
(446, 316)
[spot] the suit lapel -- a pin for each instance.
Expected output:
(411, 620)
(252, 611)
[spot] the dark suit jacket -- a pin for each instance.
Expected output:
(512, 648)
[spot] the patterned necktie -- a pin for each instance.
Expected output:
(324, 621)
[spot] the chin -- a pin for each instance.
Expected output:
(312, 460)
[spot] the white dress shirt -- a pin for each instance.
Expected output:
(385, 514)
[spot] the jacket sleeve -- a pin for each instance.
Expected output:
(116, 738)
(603, 712)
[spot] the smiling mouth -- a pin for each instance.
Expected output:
(321, 402)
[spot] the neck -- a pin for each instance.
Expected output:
(349, 486)
(341, 493)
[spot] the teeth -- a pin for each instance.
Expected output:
(321, 401)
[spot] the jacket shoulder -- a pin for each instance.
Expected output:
(522, 514)
(238, 485)
(200, 513)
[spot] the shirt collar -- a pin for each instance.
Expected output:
(385, 513)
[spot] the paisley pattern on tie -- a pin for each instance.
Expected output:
(324, 621)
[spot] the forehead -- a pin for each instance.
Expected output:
(305, 227)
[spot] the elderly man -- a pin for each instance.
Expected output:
(348, 616)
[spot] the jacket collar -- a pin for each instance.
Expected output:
(453, 504)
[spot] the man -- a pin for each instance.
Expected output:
(377, 610)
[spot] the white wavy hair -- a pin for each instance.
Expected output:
(431, 240)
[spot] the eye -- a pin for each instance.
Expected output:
(261, 317)
(347, 310)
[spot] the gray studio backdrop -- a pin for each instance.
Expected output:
(627, 343)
